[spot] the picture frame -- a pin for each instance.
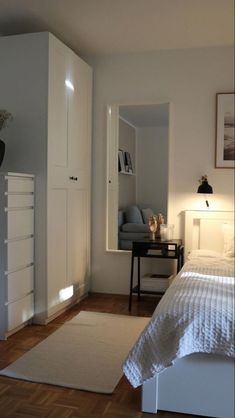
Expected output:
(121, 164)
(225, 124)
(128, 163)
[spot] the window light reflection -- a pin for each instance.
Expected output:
(69, 84)
(66, 293)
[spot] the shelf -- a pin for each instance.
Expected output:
(126, 173)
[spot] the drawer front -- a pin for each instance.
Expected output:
(20, 253)
(19, 283)
(20, 312)
(20, 223)
(20, 185)
(19, 201)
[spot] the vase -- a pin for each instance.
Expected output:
(2, 151)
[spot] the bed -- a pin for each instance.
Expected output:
(184, 359)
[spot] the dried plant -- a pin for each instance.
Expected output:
(5, 118)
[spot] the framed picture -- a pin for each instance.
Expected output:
(128, 164)
(225, 123)
(121, 164)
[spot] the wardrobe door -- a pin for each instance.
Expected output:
(58, 99)
(79, 152)
(57, 171)
(78, 268)
(78, 118)
(58, 91)
(56, 248)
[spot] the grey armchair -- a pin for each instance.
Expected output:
(133, 225)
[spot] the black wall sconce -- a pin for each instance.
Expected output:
(204, 187)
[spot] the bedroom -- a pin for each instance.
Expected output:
(189, 76)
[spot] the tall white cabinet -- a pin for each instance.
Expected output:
(68, 171)
(51, 134)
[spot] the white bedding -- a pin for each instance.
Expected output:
(196, 315)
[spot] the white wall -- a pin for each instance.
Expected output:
(189, 79)
(24, 77)
(152, 168)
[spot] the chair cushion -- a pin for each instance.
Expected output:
(146, 213)
(125, 245)
(130, 227)
(132, 236)
(133, 215)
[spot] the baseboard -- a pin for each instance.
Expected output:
(58, 313)
(13, 331)
(46, 317)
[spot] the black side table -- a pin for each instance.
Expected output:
(172, 249)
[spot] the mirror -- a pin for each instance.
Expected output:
(137, 170)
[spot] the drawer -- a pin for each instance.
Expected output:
(20, 253)
(20, 223)
(20, 200)
(20, 311)
(20, 185)
(19, 283)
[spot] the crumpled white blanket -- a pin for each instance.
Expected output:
(196, 315)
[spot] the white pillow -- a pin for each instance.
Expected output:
(228, 232)
(203, 253)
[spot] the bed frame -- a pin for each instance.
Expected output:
(200, 384)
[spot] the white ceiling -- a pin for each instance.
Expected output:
(142, 116)
(120, 26)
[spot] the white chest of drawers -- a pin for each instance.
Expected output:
(16, 251)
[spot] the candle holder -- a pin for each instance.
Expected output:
(166, 232)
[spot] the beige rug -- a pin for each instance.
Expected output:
(85, 353)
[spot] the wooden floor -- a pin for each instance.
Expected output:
(26, 399)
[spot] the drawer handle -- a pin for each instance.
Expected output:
(73, 178)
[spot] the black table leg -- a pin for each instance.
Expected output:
(182, 257)
(138, 278)
(140, 249)
(178, 260)
(131, 282)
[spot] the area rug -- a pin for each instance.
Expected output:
(86, 353)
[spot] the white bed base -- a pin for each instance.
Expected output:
(199, 384)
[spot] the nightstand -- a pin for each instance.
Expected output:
(172, 249)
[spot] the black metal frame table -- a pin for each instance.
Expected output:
(172, 249)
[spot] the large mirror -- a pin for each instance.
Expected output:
(137, 170)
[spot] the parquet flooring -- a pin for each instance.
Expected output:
(21, 399)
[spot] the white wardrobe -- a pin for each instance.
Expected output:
(49, 94)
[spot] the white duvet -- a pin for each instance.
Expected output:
(196, 315)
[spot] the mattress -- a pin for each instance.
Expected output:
(196, 315)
